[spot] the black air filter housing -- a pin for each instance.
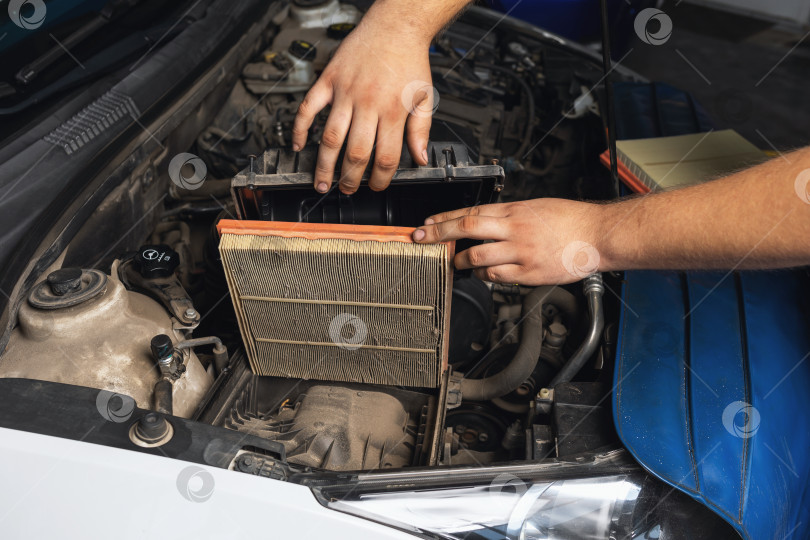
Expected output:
(279, 187)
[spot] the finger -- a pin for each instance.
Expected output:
(418, 132)
(386, 154)
(475, 227)
(334, 133)
(492, 210)
(484, 255)
(358, 150)
(318, 97)
(504, 273)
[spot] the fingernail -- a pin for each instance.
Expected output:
(418, 234)
(322, 187)
(296, 148)
(424, 155)
(429, 221)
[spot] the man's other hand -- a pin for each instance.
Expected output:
(378, 83)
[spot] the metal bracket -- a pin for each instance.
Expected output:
(166, 290)
(259, 465)
(544, 401)
(454, 390)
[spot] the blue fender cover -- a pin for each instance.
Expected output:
(712, 392)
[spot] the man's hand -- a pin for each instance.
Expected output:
(538, 242)
(379, 75)
(754, 219)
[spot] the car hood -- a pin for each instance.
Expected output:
(711, 391)
(95, 491)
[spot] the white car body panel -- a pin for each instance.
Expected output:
(57, 488)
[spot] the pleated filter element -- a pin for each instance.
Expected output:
(339, 303)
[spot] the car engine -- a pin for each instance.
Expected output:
(520, 373)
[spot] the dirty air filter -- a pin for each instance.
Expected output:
(339, 303)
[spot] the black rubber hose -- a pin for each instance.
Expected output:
(163, 396)
(527, 355)
(594, 289)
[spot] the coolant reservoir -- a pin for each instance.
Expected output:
(85, 328)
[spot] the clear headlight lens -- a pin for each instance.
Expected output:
(590, 508)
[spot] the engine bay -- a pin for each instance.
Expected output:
(154, 323)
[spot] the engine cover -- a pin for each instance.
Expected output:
(338, 428)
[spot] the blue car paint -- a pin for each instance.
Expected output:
(656, 109)
(577, 20)
(712, 392)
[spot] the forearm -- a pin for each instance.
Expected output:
(407, 22)
(751, 219)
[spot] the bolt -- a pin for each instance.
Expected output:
(190, 313)
(151, 427)
(460, 428)
(483, 437)
(251, 174)
(544, 393)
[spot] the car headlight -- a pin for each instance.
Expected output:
(592, 508)
(619, 506)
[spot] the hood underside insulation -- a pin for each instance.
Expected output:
(339, 303)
